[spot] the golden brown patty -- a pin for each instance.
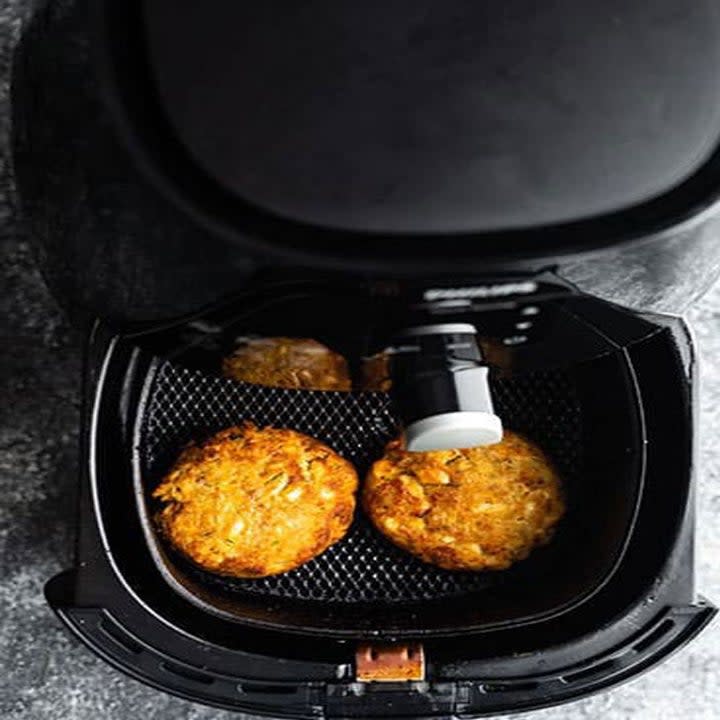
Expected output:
(288, 363)
(475, 509)
(252, 502)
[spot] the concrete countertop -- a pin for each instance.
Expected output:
(46, 674)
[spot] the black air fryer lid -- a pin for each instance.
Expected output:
(413, 141)
(468, 116)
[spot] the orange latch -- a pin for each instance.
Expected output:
(390, 663)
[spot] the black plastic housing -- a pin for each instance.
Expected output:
(254, 658)
(126, 231)
(129, 231)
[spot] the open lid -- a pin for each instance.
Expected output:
(466, 116)
(370, 126)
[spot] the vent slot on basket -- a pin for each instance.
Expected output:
(187, 673)
(599, 669)
(259, 688)
(119, 637)
(660, 631)
(184, 404)
(527, 686)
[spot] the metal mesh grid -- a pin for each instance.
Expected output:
(363, 567)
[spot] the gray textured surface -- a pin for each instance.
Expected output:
(45, 674)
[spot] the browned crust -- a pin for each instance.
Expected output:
(251, 502)
(475, 509)
(288, 363)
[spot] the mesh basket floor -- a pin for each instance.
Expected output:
(184, 405)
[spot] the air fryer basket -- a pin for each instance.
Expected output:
(618, 601)
(363, 567)
(363, 584)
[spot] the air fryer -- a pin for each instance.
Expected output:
(538, 189)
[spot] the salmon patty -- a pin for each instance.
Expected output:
(253, 502)
(288, 363)
(474, 509)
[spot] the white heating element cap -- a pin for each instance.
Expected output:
(454, 430)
